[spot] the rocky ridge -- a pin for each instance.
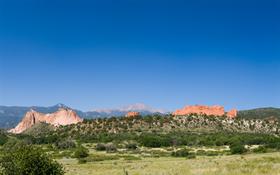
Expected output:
(63, 116)
(206, 110)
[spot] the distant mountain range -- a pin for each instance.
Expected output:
(138, 107)
(10, 116)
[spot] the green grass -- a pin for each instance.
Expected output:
(251, 164)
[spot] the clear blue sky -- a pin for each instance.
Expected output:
(99, 54)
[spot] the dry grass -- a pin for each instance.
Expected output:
(252, 164)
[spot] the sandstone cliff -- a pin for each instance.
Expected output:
(206, 110)
(63, 116)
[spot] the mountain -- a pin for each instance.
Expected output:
(260, 113)
(10, 116)
(122, 111)
(64, 116)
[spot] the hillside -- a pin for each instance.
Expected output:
(39, 129)
(260, 113)
(117, 127)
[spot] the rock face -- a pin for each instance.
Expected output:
(132, 114)
(207, 110)
(232, 113)
(63, 116)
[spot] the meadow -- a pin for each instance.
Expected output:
(249, 164)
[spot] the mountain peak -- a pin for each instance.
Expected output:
(137, 107)
(61, 105)
(32, 110)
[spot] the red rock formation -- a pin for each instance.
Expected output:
(207, 110)
(62, 117)
(232, 113)
(132, 114)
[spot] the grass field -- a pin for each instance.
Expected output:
(250, 164)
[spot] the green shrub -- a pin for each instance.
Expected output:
(28, 160)
(100, 147)
(201, 152)
(12, 144)
(111, 148)
(131, 146)
(156, 140)
(3, 138)
(237, 148)
(260, 149)
(274, 145)
(81, 152)
(65, 144)
(212, 153)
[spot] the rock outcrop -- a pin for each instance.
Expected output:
(232, 113)
(132, 114)
(63, 116)
(206, 110)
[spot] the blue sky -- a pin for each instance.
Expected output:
(167, 54)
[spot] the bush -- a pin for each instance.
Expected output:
(100, 147)
(260, 149)
(65, 144)
(201, 152)
(26, 159)
(12, 144)
(155, 141)
(211, 153)
(274, 145)
(111, 148)
(3, 138)
(131, 146)
(237, 148)
(81, 152)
